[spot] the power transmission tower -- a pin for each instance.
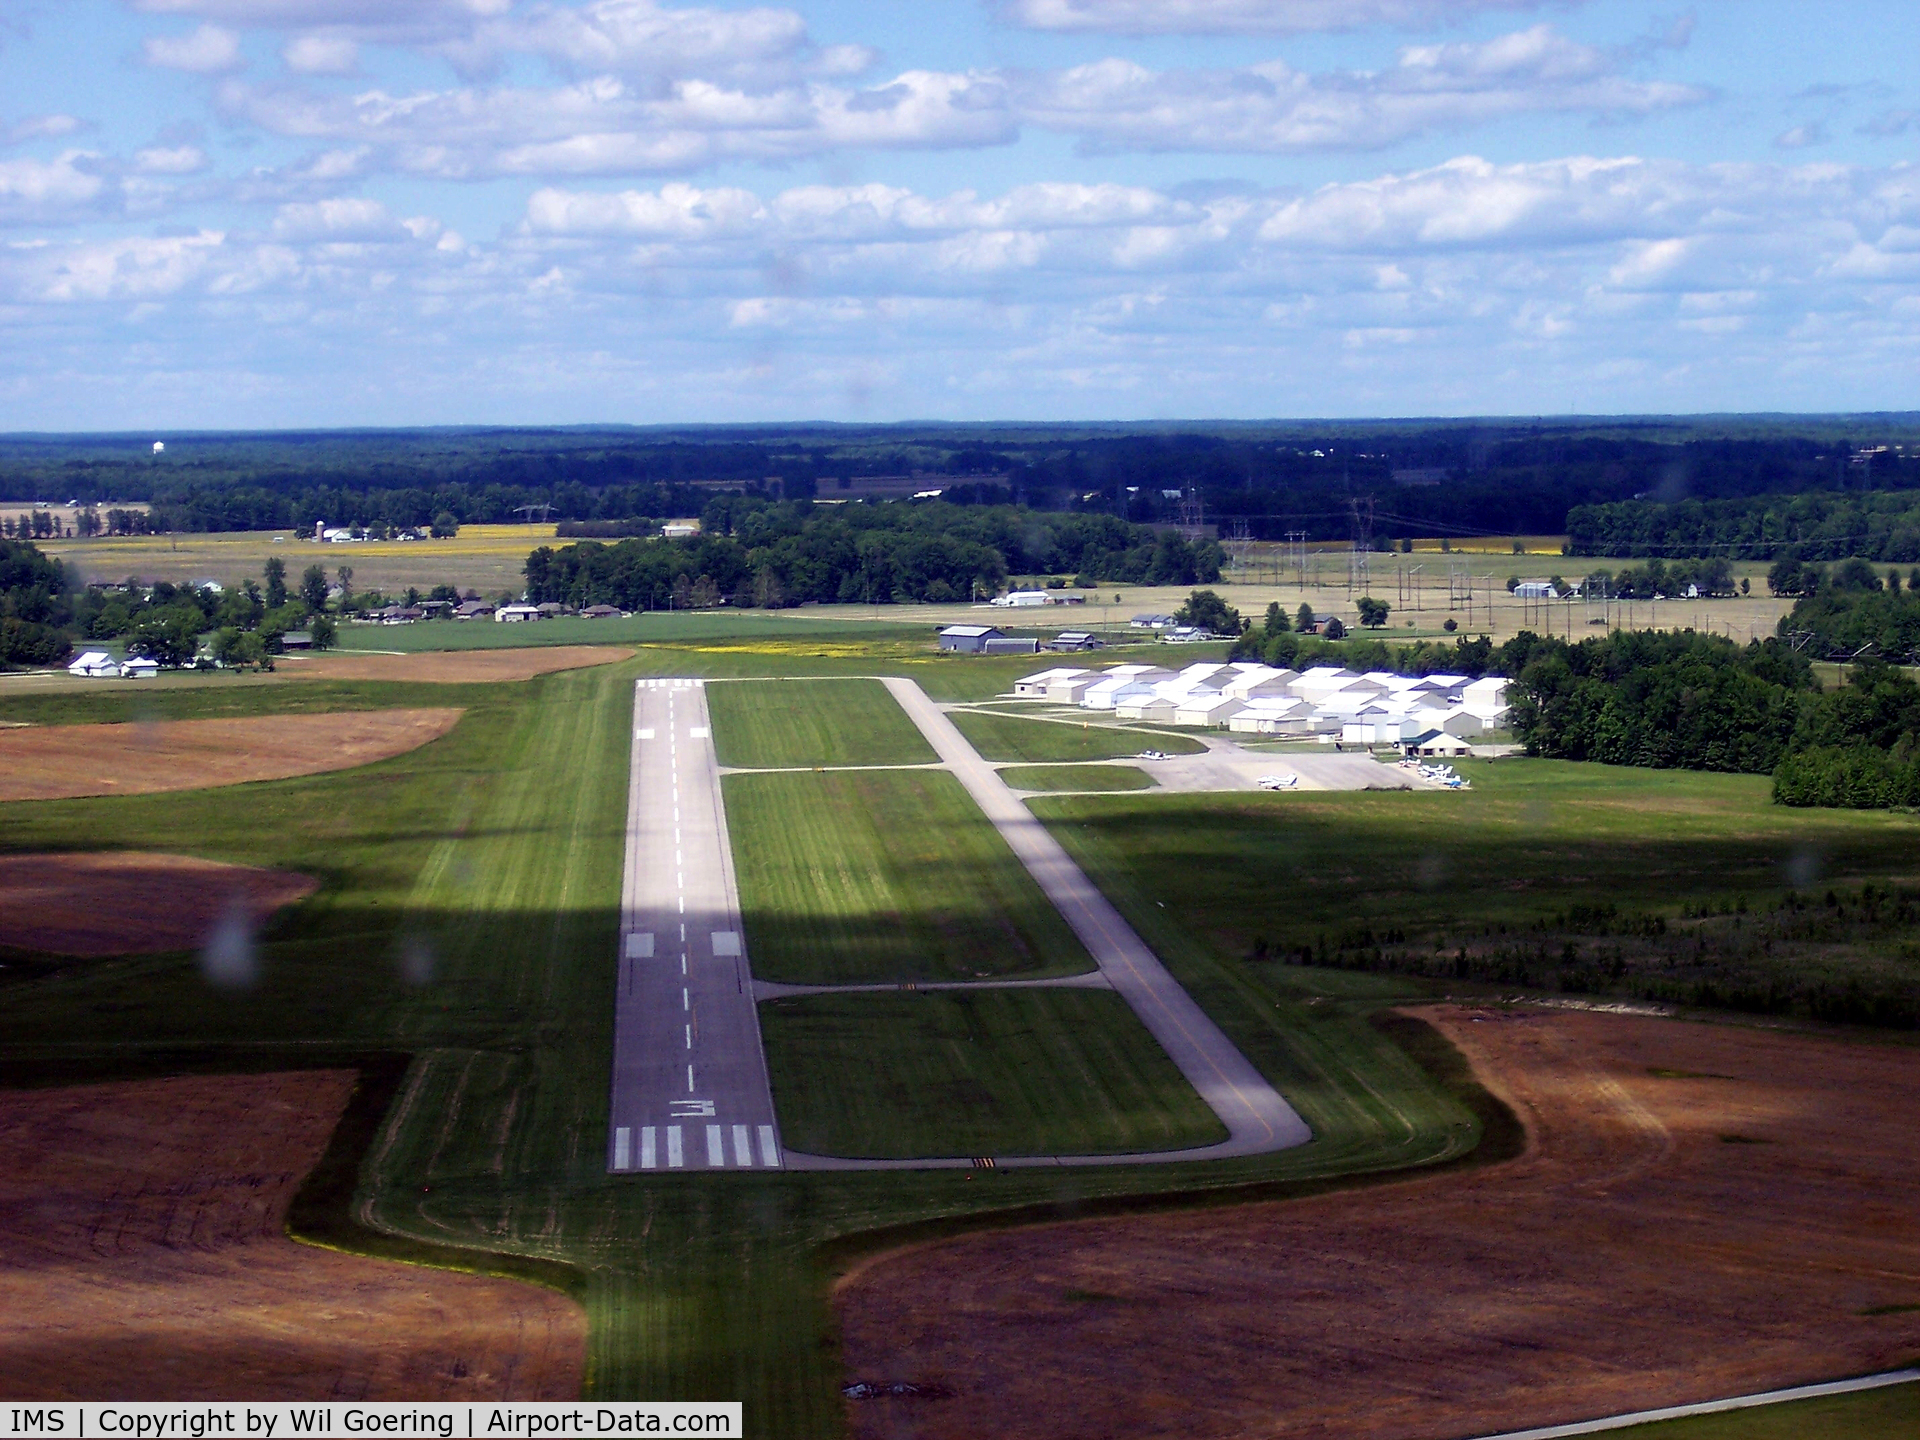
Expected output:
(1192, 515)
(1459, 587)
(1297, 555)
(527, 512)
(1239, 542)
(1359, 574)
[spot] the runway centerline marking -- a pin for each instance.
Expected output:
(679, 872)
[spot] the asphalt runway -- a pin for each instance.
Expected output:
(1257, 1116)
(689, 1076)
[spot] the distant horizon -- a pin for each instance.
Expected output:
(1781, 417)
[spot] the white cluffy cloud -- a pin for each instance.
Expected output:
(606, 125)
(1241, 17)
(611, 124)
(1465, 286)
(322, 53)
(207, 51)
(1119, 105)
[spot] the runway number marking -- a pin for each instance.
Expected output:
(691, 1109)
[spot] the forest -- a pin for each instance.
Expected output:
(1882, 525)
(755, 552)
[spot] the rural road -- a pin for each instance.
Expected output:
(689, 1074)
(1257, 1117)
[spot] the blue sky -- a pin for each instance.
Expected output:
(241, 213)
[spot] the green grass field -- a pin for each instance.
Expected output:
(1011, 737)
(496, 851)
(1889, 1414)
(1077, 777)
(773, 724)
(984, 1072)
(851, 877)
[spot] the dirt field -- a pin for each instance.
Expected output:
(1703, 1211)
(452, 667)
(131, 904)
(142, 1257)
(55, 762)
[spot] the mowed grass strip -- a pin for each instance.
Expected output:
(1077, 777)
(1011, 737)
(772, 724)
(851, 877)
(1889, 1414)
(981, 1072)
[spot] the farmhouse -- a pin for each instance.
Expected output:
(472, 610)
(602, 612)
(95, 664)
(139, 667)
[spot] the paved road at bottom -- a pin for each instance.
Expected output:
(1257, 1116)
(689, 1076)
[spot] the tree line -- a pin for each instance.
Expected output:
(1273, 478)
(766, 554)
(1882, 526)
(1700, 702)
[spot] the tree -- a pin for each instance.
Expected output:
(237, 649)
(445, 527)
(1373, 613)
(1335, 630)
(1205, 610)
(313, 588)
(1276, 622)
(1303, 621)
(276, 573)
(170, 637)
(325, 633)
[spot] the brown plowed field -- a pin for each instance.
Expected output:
(1703, 1211)
(130, 903)
(453, 667)
(142, 1258)
(57, 762)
